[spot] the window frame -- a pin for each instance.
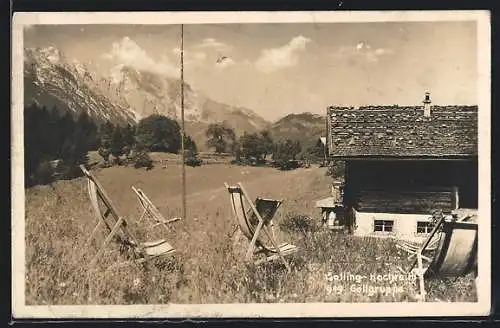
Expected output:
(383, 226)
(428, 226)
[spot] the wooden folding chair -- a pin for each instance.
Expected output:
(150, 211)
(412, 248)
(258, 218)
(455, 255)
(116, 226)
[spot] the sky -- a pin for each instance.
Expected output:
(277, 69)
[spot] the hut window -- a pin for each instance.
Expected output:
(424, 227)
(383, 225)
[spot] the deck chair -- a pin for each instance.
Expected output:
(256, 219)
(116, 226)
(455, 255)
(412, 247)
(150, 211)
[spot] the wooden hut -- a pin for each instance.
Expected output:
(402, 163)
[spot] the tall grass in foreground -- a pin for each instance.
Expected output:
(207, 267)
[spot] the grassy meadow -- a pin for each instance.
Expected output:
(207, 267)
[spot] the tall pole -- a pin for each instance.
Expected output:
(182, 128)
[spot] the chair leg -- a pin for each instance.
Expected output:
(149, 213)
(272, 229)
(421, 277)
(476, 285)
(152, 215)
(254, 240)
(101, 220)
(92, 234)
(107, 240)
(90, 285)
(142, 215)
(278, 249)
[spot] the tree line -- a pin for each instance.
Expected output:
(56, 143)
(155, 133)
(51, 139)
(254, 148)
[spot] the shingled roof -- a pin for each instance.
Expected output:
(394, 131)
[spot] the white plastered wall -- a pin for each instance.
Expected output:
(404, 227)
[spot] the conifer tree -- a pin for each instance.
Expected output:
(117, 144)
(105, 141)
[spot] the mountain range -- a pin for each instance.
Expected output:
(125, 95)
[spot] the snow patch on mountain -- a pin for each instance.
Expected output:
(124, 93)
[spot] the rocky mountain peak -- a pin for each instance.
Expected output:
(124, 94)
(49, 54)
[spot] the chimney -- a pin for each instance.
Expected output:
(427, 104)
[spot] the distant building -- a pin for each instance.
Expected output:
(402, 163)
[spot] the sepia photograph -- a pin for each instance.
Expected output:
(251, 165)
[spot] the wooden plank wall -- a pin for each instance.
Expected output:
(410, 186)
(401, 201)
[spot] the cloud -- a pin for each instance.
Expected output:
(200, 56)
(363, 51)
(191, 57)
(282, 57)
(362, 45)
(211, 43)
(128, 52)
(116, 73)
(380, 52)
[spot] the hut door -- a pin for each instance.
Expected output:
(335, 219)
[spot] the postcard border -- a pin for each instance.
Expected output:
(290, 310)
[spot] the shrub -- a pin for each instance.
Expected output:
(193, 161)
(336, 169)
(286, 165)
(105, 165)
(298, 223)
(142, 159)
(220, 137)
(44, 173)
(68, 170)
(260, 161)
(255, 146)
